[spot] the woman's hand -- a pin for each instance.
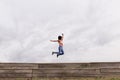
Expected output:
(51, 40)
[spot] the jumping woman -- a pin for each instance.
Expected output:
(60, 48)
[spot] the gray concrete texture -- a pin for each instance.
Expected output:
(39, 70)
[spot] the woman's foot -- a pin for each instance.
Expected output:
(57, 55)
(52, 53)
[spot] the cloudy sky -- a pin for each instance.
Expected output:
(91, 29)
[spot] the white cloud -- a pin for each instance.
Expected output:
(91, 30)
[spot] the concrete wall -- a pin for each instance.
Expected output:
(39, 70)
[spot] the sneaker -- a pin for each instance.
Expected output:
(52, 53)
(57, 55)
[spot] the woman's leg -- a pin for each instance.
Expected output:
(56, 52)
(61, 51)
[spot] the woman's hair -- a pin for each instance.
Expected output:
(59, 37)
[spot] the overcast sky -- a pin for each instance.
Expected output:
(91, 29)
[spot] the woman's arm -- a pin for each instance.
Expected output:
(54, 40)
(62, 35)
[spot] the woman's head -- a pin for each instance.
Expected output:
(59, 37)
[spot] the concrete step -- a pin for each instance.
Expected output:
(65, 72)
(58, 65)
(79, 65)
(18, 66)
(15, 75)
(34, 70)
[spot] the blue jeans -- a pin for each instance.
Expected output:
(61, 51)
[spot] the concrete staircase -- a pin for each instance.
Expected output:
(39, 70)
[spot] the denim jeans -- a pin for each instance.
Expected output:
(61, 51)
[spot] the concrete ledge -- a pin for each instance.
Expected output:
(39, 70)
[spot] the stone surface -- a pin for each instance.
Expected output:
(38, 70)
